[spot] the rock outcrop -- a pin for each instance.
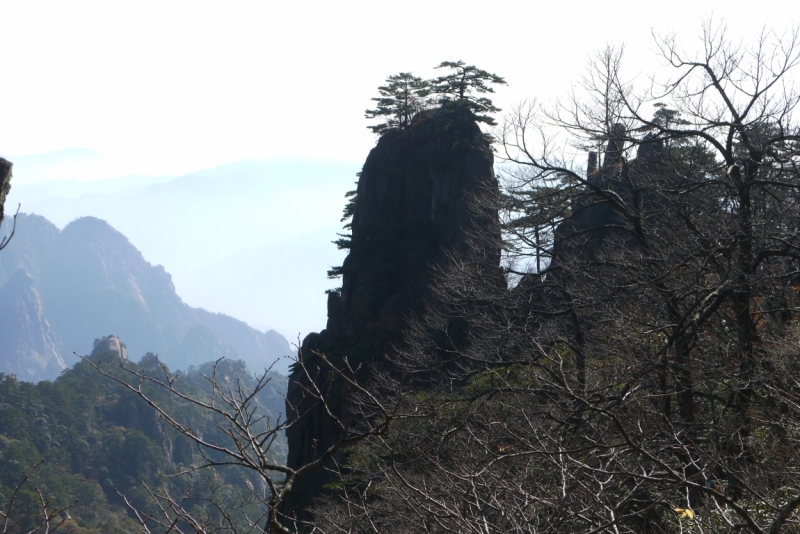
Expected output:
(109, 346)
(5, 184)
(594, 219)
(413, 205)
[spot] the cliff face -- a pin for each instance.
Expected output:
(412, 207)
(33, 349)
(111, 346)
(5, 184)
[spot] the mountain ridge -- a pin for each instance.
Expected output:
(201, 219)
(87, 281)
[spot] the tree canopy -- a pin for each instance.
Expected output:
(463, 84)
(403, 96)
(406, 95)
(87, 447)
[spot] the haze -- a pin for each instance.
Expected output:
(257, 108)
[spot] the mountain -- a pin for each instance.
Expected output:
(82, 438)
(62, 289)
(287, 276)
(28, 345)
(412, 210)
(195, 222)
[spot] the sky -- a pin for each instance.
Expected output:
(98, 89)
(167, 87)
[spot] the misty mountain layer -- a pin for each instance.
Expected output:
(263, 226)
(60, 290)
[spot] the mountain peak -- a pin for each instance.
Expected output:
(88, 280)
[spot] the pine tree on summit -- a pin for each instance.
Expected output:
(403, 96)
(462, 82)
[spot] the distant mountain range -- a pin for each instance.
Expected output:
(272, 220)
(61, 289)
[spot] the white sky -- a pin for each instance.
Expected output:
(168, 87)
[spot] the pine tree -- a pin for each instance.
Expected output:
(345, 240)
(403, 96)
(460, 84)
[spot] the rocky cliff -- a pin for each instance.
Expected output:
(412, 207)
(29, 348)
(109, 347)
(594, 220)
(5, 184)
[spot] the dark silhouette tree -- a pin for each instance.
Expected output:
(464, 84)
(403, 96)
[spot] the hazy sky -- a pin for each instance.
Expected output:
(167, 87)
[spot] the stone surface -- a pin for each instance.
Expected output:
(594, 220)
(112, 346)
(33, 351)
(5, 184)
(412, 207)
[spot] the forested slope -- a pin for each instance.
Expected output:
(96, 439)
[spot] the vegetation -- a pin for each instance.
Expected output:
(345, 240)
(405, 95)
(633, 367)
(89, 447)
(463, 85)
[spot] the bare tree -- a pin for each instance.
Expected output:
(641, 376)
(250, 438)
